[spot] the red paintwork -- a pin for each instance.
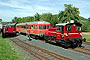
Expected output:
(10, 30)
(52, 31)
(34, 30)
(71, 34)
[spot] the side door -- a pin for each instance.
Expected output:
(59, 32)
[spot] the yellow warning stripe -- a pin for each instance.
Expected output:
(51, 32)
(70, 33)
(58, 33)
(73, 33)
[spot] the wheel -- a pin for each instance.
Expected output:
(67, 45)
(46, 39)
(36, 37)
(57, 43)
(3, 35)
(74, 45)
(80, 44)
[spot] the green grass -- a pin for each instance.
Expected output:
(87, 37)
(6, 52)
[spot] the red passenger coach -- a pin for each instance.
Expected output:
(9, 29)
(34, 29)
(68, 34)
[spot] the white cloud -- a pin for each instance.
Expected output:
(30, 7)
(38, 7)
(43, 0)
(15, 5)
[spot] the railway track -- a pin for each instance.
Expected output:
(78, 49)
(39, 53)
(87, 43)
(82, 50)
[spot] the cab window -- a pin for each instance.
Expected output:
(78, 28)
(68, 28)
(58, 28)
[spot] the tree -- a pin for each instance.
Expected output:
(0, 20)
(46, 17)
(54, 20)
(70, 13)
(16, 19)
(89, 19)
(37, 17)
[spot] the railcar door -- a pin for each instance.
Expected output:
(59, 34)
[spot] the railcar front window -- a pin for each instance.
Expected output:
(68, 28)
(32, 27)
(78, 28)
(36, 26)
(40, 26)
(29, 27)
(48, 26)
(44, 27)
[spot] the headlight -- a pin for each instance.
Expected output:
(66, 35)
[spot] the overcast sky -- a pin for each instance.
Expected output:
(22, 8)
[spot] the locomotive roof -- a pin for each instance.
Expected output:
(10, 24)
(35, 22)
(63, 24)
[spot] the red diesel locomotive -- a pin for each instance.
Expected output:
(67, 34)
(8, 30)
(34, 29)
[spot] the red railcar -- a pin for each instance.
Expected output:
(8, 30)
(34, 29)
(67, 34)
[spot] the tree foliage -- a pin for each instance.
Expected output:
(89, 19)
(70, 13)
(0, 20)
(37, 17)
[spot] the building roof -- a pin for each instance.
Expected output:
(35, 22)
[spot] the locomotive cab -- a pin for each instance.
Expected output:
(9, 29)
